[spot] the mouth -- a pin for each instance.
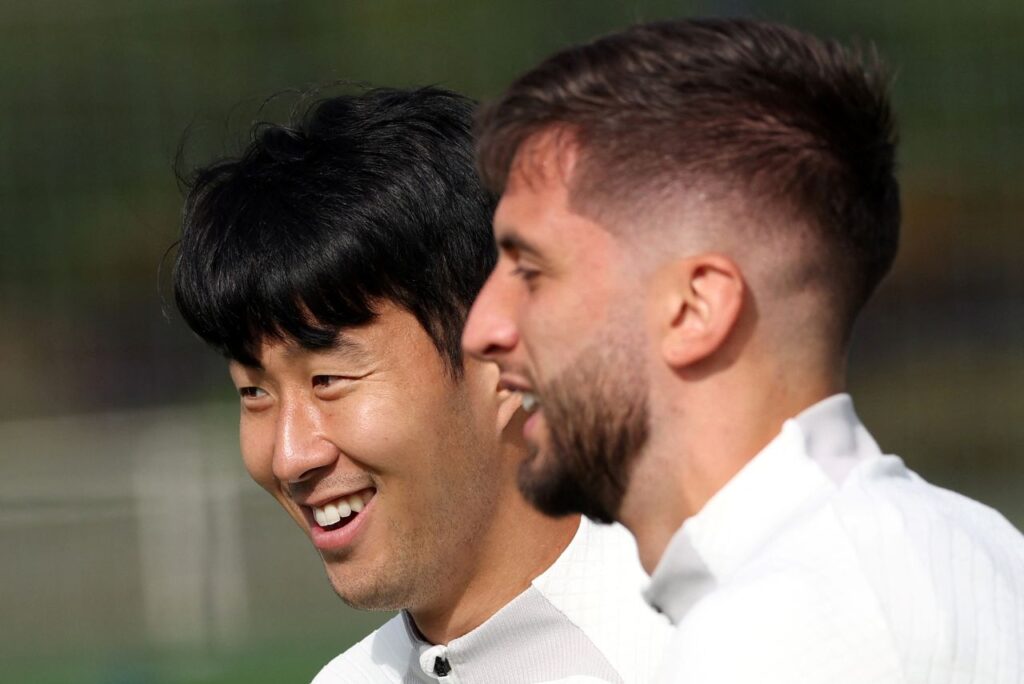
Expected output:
(528, 398)
(335, 523)
(533, 408)
(530, 402)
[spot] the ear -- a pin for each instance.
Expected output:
(698, 303)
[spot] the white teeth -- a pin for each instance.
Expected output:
(332, 513)
(530, 401)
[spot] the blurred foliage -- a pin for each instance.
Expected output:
(99, 97)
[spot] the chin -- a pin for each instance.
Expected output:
(367, 589)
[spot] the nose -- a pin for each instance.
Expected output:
(491, 331)
(300, 446)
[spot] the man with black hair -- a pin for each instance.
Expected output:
(333, 263)
(693, 215)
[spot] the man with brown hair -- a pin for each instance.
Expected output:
(693, 215)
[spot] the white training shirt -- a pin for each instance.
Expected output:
(583, 620)
(825, 562)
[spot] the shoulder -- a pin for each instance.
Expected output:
(597, 585)
(381, 657)
(782, 626)
(884, 497)
(598, 557)
(890, 568)
(945, 570)
(918, 541)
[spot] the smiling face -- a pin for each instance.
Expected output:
(388, 464)
(561, 314)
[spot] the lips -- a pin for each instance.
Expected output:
(533, 430)
(529, 399)
(334, 523)
(333, 512)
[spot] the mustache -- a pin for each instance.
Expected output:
(347, 482)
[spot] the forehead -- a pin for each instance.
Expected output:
(535, 212)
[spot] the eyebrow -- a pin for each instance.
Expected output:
(513, 242)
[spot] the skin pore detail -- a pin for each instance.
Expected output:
(694, 316)
(379, 416)
(334, 260)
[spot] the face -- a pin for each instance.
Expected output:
(560, 315)
(379, 456)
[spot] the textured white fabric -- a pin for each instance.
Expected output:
(582, 620)
(823, 561)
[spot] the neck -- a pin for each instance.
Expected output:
(520, 545)
(705, 442)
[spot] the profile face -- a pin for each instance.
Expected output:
(386, 463)
(561, 316)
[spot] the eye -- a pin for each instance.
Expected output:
(331, 386)
(525, 273)
(253, 398)
(251, 392)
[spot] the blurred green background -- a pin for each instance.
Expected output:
(135, 549)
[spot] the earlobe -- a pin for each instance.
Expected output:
(703, 297)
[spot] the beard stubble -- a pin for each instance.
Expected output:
(598, 422)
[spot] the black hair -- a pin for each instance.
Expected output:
(362, 198)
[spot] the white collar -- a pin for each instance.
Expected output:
(489, 640)
(807, 460)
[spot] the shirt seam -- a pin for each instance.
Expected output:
(585, 634)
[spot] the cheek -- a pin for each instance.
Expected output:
(365, 429)
(574, 303)
(377, 429)
(257, 445)
(553, 328)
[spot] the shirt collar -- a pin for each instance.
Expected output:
(490, 640)
(807, 460)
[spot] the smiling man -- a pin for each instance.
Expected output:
(693, 215)
(333, 264)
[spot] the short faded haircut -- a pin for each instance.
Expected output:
(793, 124)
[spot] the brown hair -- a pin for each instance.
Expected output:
(793, 123)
